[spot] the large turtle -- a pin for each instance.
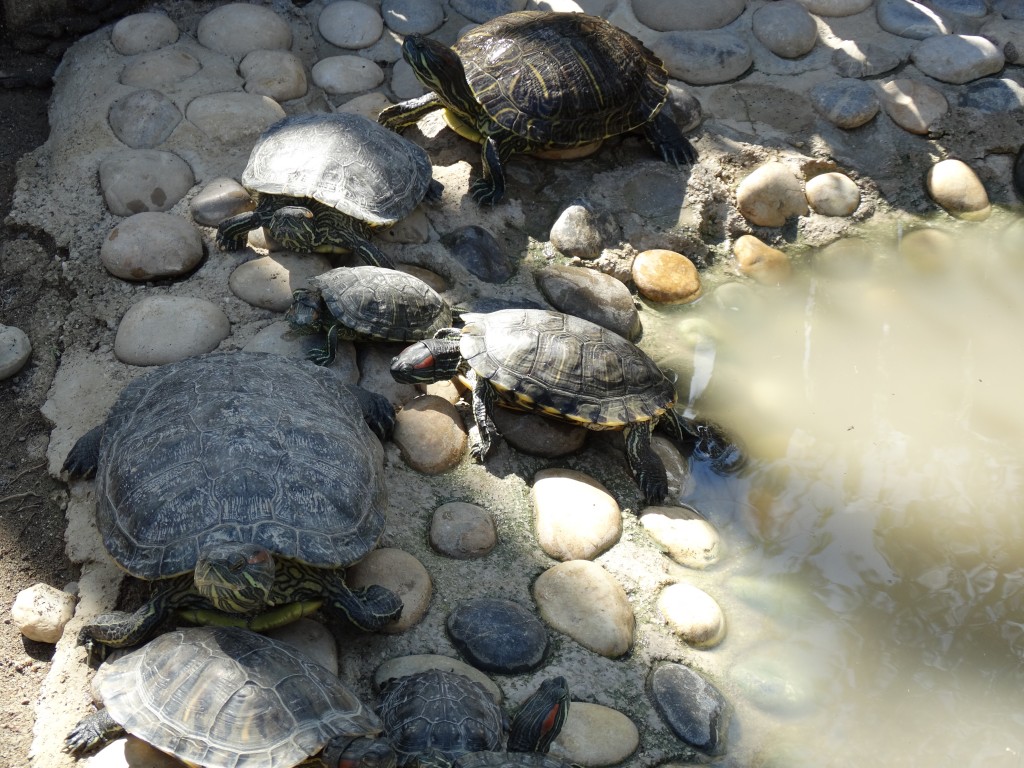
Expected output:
(538, 80)
(367, 304)
(223, 697)
(241, 483)
(324, 182)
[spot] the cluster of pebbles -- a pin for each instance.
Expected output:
(809, 114)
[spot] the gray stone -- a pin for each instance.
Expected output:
(164, 329)
(691, 706)
(704, 58)
(498, 635)
(268, 281)
(152, 245)
(1008, 37)
(279, 338)
(408, 17)
(847, 102)
(462, 530)
(785, 28)
(960, 10)
(144, 118)
(909, 19)
(591, 295)
(137, 180)
(670, 15)
(350, 24)
(236, 29)
(595, 735)
(538, 435)
(143, 32)
(479, 251)
(160, 69)
(277, 74)
(404, 575)
(836, 7)
(580, 232)
(957, 58)
(15, 350)
(220, 198)
(686, 535)
(430, 435)
(857, 59)
(575, 516)
(404, 83)
(233, 117)
(1010, 9)
(485, 10)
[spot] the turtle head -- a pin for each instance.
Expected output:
(439, 69)
(235, 577)
(540, 719)
(304, 313)
(427, 361)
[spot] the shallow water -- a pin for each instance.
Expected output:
(875, 589)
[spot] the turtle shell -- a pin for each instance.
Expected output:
(220, 696)
(237, 446)
(562, 79)
(383, 304)
(342, 160)
(510, 760)
(562, 365)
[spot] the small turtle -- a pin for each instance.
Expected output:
(241, 484)
(537, 80)
(434, 717)
(324, 182)
(223, 697)
(367, 304)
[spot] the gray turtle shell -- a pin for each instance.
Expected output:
(220, 696)
(238, 446)
(565, 366)
(383, 304)
(342, 160)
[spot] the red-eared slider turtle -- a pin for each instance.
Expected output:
(367, 304)
(537, 80)
(223, 697)
(434, 717)
(241, 483)
(325, 182)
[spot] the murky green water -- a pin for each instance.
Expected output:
(876, 583)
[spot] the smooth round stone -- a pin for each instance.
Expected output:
(138, 180)
(850, 257)
(268, 282)
(859, 59)
(909, 19)
(279, 338)
(347, 74)
(40, 612)
(479, 251)
(770, 195)
(913, 104)
(403, 666)
(277, 74)
(369, 105)
(485, 10)
(691, 706)
(993, 95)
(220, 198)
(666, 277)
(928, 250)
(693, 615)
(462, 530)
(575, 516)
(143, 32)
(498, 635)
(582, 600)
(152, 245)
(836, 7)
(832, 194)
(846, 103)
(233, 117)
(404, 83)
(408, 17)
(160, 69)
(1010, 9)
(236, 29)
(311, 638)
(592, 295)
(350, 24)
(957, 59)
(130, 752)
(671, 15)
(15, 349)
(758, 260)
(538, 435)
(404, 575)
(1008, 36)
(960, 10)
(430, 435)
(595, 735)
(785, 28)
(704, 58)
(143, 119)
(577, 232)
(164, 329)
(688, 538)
(956, 187)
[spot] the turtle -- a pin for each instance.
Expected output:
(240, 484)
(324, 182)
(539, 81)
(367, 304)
(225, 697)
(435, 716)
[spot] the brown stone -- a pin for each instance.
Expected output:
(666, 277)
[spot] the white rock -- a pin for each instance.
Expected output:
(165, 329)
(462, 530)
(912, 104)
(236, 29)
(575, 516)
(692, 614)
(347, 74)
(689, 538)
(785, 28)
(369, 105)
(151, 245)
(15, 349)
(430, 434)
(957, 188)
(350, 24)
(137, 180)
(160, 69)
(40, 612)
(404, 83)
(836, 7)
(832, 194)
(268, 282)
(595, 735)
(143, 32)
(408, 17)
(220, 198)
(277, 74)
(770, 195)
(233, 117)
(704, 58)
(669, 15)
(404, 575)
(957, 58)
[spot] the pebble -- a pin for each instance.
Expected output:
(462, 530)
(669, 16)
(693, 615)
(958, 190)
(137, 180)
(575, 516)
(582, 600)
(311, 638)
(268, 281)
(346, 74)
(430, 434)
(860, 59)
(15, 350)
(993, 96)
(485, 10)
(758, 260)
(579, 232)
(846, 102)
(160, 69)
(666, 277)
(220, 198)
(279, 338)
(40, 612)
(592, 295)
(479, 251)
(928, 250)
(538, 435)
(369, 105)
(1008, 36)
(913, 104)
(704, 58)
(770, 195)
(404, 575)
(350, 24)
(595, 735)
(691, 706)
(145, 246)
(233, 117)
(498, 635)
(143, 32)
(832, 194)
(777, 679)
(957, 59)
(404, 84)
(687, 536)
(164, 329)
(236, 29)
(785, 28)
(909, 19)
(836, 7)
(144, 118)
(277, 74)
(960, 11)
(130, 752)
(403, 666)
(408, 17)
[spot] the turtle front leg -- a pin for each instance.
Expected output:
(233, 232)
(119, 629)
(83, 457)
(487, 432)
(400, 116)
(369, 608)
(325, 355)
(378, 412)
(646, 465)
(491, 188)
(668, 141)
(91, 731)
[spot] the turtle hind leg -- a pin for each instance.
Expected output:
(92, 731)
(646, 465)
(378, 412)
(84, 455)
(668, 141)
(491, 188)
(325, 355)
(487, 432)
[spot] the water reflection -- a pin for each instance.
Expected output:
(879, 534)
